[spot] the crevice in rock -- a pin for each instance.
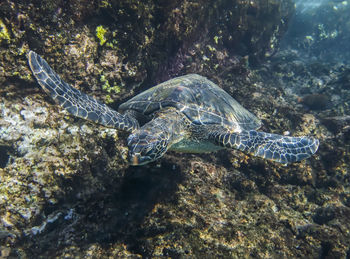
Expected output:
(4, 155)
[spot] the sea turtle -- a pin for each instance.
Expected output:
(187, 114)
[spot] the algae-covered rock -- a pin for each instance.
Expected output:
(66, 190)
(44, 152)
(149, 41)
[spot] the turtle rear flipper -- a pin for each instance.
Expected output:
(74, 101)
(275, 147)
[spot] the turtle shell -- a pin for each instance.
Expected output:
(202, 101)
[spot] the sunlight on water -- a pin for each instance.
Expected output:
(304, 6)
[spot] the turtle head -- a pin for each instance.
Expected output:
(146, 146)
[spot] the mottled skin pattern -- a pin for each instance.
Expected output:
(185, 114)
(271, 146)
(168, 127)
(76, 102)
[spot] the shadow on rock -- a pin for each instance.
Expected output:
(115, 215)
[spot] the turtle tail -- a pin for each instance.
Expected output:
(74, 101)
(282, 149)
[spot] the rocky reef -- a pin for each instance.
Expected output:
(66, 190)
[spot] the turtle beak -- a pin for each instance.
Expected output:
(137, 159)
(142, 148)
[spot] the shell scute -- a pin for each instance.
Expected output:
(202, 101)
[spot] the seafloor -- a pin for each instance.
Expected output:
(66, 189)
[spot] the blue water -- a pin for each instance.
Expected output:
(321, 30)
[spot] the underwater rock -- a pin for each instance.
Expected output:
(337, 124)
(149, 42)
(66, 182)
(43, 153)
(344, 79)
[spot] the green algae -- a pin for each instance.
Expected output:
(4, 33)
(216, 39)
(22, 76)
(101, 34)
(108, 88)
(105, 4)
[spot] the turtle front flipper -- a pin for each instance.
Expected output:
(275, 147)
(74, 101)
